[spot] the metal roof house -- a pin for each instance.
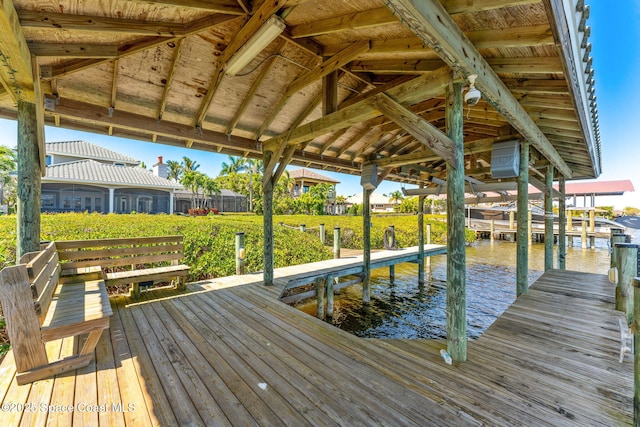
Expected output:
(85, 177)
(81, 176)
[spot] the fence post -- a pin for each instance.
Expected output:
(627, 271)
(322, 234)
(336, 242)
(240, 253)
(303, 227)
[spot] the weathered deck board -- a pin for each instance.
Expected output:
(226, 352)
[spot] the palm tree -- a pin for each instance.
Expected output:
(235, 165)
(174, 170)
(396, 197)
(189, 165)
(209, 189)
(253, 166)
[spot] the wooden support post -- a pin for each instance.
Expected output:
(569, 220)
(29, 177)
(428, 243)
(522, 266)
(322, 236)
(392, 274)
(529, 228)
(562, 224)
(366, 255)
(636, 352)
(584, 234)
(336, 242)
(320, 296)
(548, 220)
(492, 230)
(592, 220)
(267, 200)
(627, 271)
(511, 219)
(421, 239)
(615, 238)
(331, 281)
(456, 242)
(240, 253)
(303, 227)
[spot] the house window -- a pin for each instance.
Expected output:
(87, 204)
(47, 160)
(98, 204)
(118, 164)
(48, 201)
(77, 203)
(66, 202)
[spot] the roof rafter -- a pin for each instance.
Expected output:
(353, 21)
(415, 90)
(144, 43)
(68, 22)
(431, 22)
(421, 129)
(15, 59)
(266, 10)
(328, 66)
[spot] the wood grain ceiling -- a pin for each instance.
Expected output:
(330, 92)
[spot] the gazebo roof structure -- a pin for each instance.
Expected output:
(342, 84)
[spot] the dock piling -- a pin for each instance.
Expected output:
(322, 237)
(240, 253)
(627, 271)
(336, 242)
(320, 295)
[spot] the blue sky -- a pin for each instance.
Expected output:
(615, 34)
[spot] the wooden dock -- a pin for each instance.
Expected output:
(297, 275)
(227, 352)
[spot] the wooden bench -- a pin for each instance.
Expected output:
(38, 308)
(126, 260)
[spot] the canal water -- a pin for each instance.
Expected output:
(409, 311)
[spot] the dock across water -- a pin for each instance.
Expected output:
(227, 352)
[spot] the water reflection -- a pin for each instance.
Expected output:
(406, 310)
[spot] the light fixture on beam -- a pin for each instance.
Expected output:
(267, 33)
(473, 95)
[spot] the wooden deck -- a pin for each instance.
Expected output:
(226, 352)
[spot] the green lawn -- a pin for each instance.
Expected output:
(210, 240)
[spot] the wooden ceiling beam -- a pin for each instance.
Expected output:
(169, 81)
(230, 7)
(266, 10)
(253, 89)
(473, 6)
(500, 38)
(354, 21)
(16, 75)
(431, 22)
(94, 115)
(559, 102)
(103, 24)
(330, 65)
(73, 50)
(539, 65)
(496, 38)
(416, 90)
(333, 138)
(536, 86)
(421, 129)
(136, 46)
